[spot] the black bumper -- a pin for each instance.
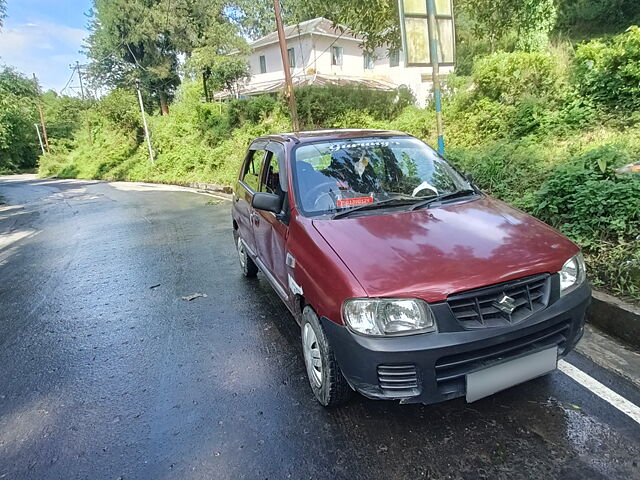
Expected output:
(431, 368)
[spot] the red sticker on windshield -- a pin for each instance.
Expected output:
(354, 202)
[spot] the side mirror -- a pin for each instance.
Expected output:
(269, 202)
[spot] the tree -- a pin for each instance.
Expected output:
(220, 72)
(227, 72)
(255, 17)
(130, 44)
(375, 20)
(531, 20)
(204, 33)
(64, 115)
(142, 41)
(18, 139)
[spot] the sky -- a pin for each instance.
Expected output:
(45, 37)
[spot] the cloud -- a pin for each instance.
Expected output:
(43, 48)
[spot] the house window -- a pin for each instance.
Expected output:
(369, 61)
(336, 56)
(291, 53)
(394, 58)
(263, 64)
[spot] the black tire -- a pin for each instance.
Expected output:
(333, 389)
(247, 265)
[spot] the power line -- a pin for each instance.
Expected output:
(68, 81)
(80, 79)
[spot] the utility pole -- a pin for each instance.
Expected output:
(44, 128)
(80, 78)
(39, 137)
(435, 72)
(287, 68)
(146, 127)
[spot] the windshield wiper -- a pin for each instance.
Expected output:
(440, 198)
(371, 206)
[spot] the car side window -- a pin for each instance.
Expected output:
(251, 174)
(272, 175)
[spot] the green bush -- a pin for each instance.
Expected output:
(589, 202)
(252, 110)
(19, 147)
(588, 18)
(417, 122)
(600, 211)
(509, 77)
(320, 107)
(118, 109)
(511, 170)
(607, 72)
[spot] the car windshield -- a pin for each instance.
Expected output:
(338, 175)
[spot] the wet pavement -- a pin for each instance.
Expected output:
(106, 372)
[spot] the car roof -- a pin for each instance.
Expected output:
(308, 136)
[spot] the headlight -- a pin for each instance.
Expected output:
(572, 274)
(379, 316)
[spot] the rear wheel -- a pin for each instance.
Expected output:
(326, 380)
(248, 266)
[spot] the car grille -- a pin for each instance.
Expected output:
(398, 380)
(477, 308)
(451, 370)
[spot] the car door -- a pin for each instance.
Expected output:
(248, 184)
(271, 230)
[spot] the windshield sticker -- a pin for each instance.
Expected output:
(353, 202)
(341, 146)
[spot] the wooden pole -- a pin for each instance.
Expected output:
(44, 128)
(39, 137)
(146, 127)
(287, 68)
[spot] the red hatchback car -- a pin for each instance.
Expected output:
(407, 281)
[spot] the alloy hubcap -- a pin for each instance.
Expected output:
(241, 253)
(312, 355)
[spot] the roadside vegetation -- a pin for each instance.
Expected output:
(542, 113)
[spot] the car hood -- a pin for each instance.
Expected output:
(432, 253)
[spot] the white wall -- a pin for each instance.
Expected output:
(313, 52)
(352, 61)
(302, 51)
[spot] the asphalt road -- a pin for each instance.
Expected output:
(106, 372)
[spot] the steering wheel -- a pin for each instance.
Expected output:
(317, 190)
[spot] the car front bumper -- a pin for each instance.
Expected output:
(431, 368)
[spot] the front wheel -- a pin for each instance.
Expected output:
(249, 268)
(327, 382)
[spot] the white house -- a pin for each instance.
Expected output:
(321, 54)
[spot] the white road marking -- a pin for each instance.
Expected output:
(604, 392)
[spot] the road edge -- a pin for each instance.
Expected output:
(615, 317)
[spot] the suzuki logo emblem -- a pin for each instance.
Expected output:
(505, 304)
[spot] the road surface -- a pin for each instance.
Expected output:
(106, 372)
